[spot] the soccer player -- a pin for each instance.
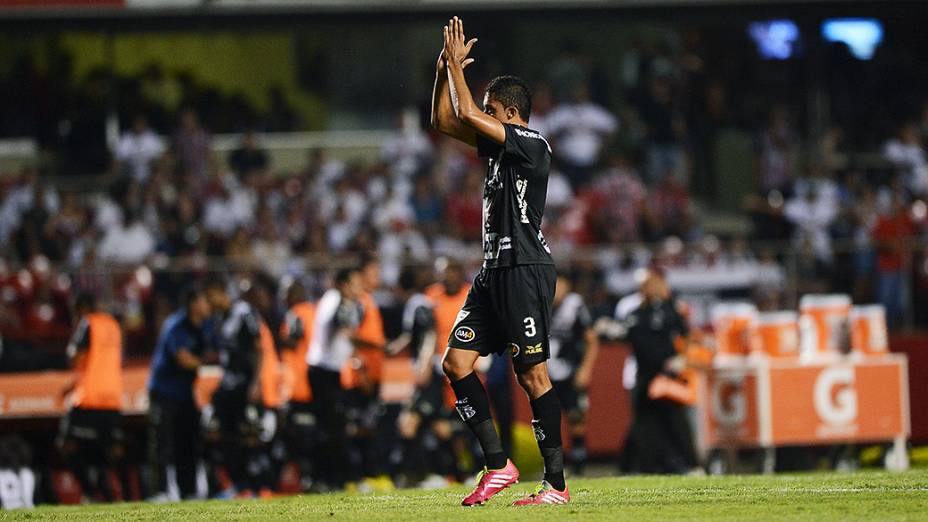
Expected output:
(574, 346)
(509, 306)
(423, 424)
(338, 314)
(173, 417)
(89, 436)
(240, 355)
(295, 333)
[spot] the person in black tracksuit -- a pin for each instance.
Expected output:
(660, 432)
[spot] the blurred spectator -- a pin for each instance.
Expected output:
(580, 129)
(408, 148)
(775, 155)
(620, 199)
(127, 242)
(192, 146)
(665, 132)
(812, 214)
(248, 156)
(137, 149)
(669, 211)
(890, 234)
(906, 151)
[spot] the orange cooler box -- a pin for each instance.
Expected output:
(868, 330)
(776, 334)
(732, 323)
(823, 323)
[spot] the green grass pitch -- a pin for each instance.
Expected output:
(861, 496)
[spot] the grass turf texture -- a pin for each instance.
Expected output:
(860, 496)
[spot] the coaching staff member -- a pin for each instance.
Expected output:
(173, 416)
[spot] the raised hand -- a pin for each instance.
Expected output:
(457, 47)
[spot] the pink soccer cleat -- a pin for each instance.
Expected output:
(491, 482)
(546, 494)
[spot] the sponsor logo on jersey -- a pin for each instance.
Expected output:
(465, 334)
(533, 350)
(531, 134)
(539, 431)
(514, 349)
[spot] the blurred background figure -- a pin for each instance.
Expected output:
(90, 434)
(574, 347)
(660, 433)
(174, 446)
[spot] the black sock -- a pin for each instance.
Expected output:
(473, 406)
(547, 427)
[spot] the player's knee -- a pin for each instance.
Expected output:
(453, 368)
(534, 380)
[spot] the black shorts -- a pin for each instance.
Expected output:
(91, 426)
(229, 408)
(508, 310)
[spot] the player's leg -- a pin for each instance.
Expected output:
(546, 421)
(473, 404)
(187, 448)
(526, 295)
(73, 451)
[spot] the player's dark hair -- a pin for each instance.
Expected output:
(367, 259)
(344, 275)
(511, 91)
(215, 282)
(410, 279)
(190, 294)
(296, 293)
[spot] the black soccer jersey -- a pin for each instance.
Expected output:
(238, 334)
(514, 198)
(418, 321)
(569, 323)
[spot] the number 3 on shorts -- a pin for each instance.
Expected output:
(530, 330)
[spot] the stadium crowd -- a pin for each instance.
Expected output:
(620, 198)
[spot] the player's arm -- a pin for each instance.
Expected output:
(396, 345)
(443, 118)
(80, 341)
(186, 360)
(291, 331)
(424, 361)
(465, 108)
(585, 371)
(254, 331)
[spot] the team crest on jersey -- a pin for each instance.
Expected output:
(461, 315)
(514, 349)
(465, 334)
(533, 350)
(539, 432)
